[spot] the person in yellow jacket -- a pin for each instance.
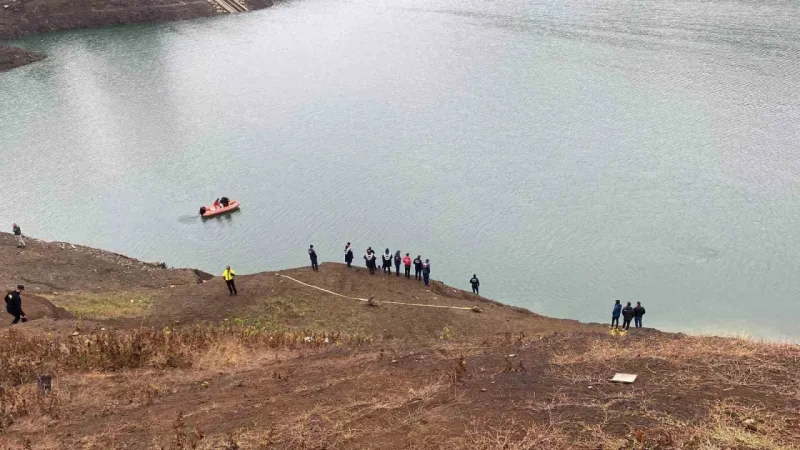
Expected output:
(228, 274)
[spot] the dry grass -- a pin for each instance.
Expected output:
(104, 305)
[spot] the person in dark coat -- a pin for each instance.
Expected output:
(638, 312)
(313, 255)
(18, 235)
(615, 314)
(426, 272)
(369, 258)
(627, 315)
(475, 284)
(14, 305)
(418, 267)
(387, 262)
(397, 260)
(348, 255)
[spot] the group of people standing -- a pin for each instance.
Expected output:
(628, 313)
(422, 269)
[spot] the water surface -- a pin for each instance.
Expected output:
(570, 152)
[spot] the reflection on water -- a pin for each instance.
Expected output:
(569, 153)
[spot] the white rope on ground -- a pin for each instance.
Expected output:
(366, 300)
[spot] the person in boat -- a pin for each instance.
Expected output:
(313, 255)
(348, 255)
(217, 204)
(203, 210)
(224, 201)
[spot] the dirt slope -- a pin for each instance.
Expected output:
(286, 366)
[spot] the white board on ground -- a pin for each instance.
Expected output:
(624, 378)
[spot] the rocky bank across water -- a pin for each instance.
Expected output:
(26, 17)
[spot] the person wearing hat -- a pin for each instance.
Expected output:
(18, 235)
(228, 274)
(313, 255)
(14, 305)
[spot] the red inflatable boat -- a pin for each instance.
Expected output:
(210, 211)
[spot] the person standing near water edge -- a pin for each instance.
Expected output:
(475, 284)
(426, 272)
(407, 263)
(627, 315)
(397, 260)
(313, 255)
(418, 267)
(615, 314)
(369, 258)
(638, 312)
(18, 235)
(14, 305)
(387, 262)
(228, 275)
(348, 255)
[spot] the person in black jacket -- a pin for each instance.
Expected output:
(627, 315)
(426, 272)
(14, 305)
(369, 258)
(397, 260)
(475, 284)
(418, 267)
(348, 255)
(638, 312)
(387, 262)
(313, 255)
(18, 234)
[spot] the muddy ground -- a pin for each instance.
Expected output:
(175, 362)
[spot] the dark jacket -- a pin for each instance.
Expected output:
(348, 255)
(417, 264)
(397, 259)
(638, 311)
(474, 282)
(312, 254)
(13, 302)
(616, 311)
(627, 312)
(17, 231)
(426, 268)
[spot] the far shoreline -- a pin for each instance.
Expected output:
(44, 16)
